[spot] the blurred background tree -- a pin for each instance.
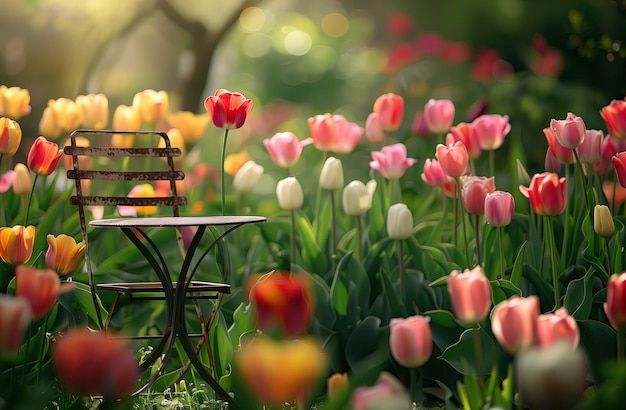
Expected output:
(533, 60)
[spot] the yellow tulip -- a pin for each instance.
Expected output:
(60, 116)
(10, 136)
(95, 110)
(14, 102)
(152, 105)
(191, 125)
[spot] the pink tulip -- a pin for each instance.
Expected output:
(391, 161)
(389, 109)
(619, 163)
(615, 306)
(499, 208)
(551, 163)
(419, 126)
(589, 150)
(453, 158)
(285, 149)
(470, 294)
(570, 132)
(433, 173)
(465, 133)
(439, 115)
(614, 115)
(15, 315)
(387, 388)
(514, 323)
(410, 340)
(546, 194)
(473, 192)
(373, 128)
(490, 130)
(552, 327)
(564, 155)
(334, 133)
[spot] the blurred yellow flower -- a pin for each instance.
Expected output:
(234, 162)
(152, 105)
(190, 125)
(95, 110)
(60, 116)
(14, 102)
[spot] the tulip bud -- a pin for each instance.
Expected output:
(22, 182)
(336, 383)
(522, 175)
(357, 198)
(499, 208)
(603, 223)
(399, 222)
(247, 177)
(331, 177)
(289, 193)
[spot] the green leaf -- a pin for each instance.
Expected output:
(312, 254)
(462, 354)
(243, 322)
(339, 292)
(579, 296)
(518, 264)
(221, 344)
(444, 328)
(365, 340)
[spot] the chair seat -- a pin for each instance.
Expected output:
(152, 287)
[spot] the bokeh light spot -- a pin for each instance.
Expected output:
(252, 19)
(297, 42)
(335, 25)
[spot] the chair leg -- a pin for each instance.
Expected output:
(116, 298)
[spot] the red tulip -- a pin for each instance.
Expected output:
(546, 193)
(619, 163)
(15, 315)
(453, 158)
(514, 323)
(43, 156)
(473, 192)
(90, 363)
(470, 294)
(499, 208)
(490, 130)
(615, 306)
(283, 303)
(614, 115)
(570, 132)
(389, 109)
(410, 340)
(40, 288)
(391, 161)
(334, 133)
(228, 109)
(552, 327)
(439, 115)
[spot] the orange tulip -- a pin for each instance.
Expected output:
(95, 110)
(151, 105)
(191, 125)
(60, 116)
(63, 253)
(14, 102)
(228, 109)
(89, 363)
(10, 136)
(16, 244)
(389, 109)
(40, 287)
(14, 317)
(43, 156)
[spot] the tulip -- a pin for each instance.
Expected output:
(190, 125)
(139, 191)
(418, 126)
(336, 383)
(552, 377)
(6, 181)
(433, 173)
(60, 116)
(490, 130)
(40, 287)
(522, 175)
(589, 150)
(546, 193)
(331, 177)
(387, 393)
(334, 133)
(499, 208)
(176, 141)
(63, 253)
(22, 181)
(473, 192)
(551, 163)
(91, 363)
(453, 158)
(439, 115)
(285, 149)
(16, 244)
(470, 294)
(603, 224)
(278, 372)
(228, 109)
(465, 133)
(84, 161)
(410, 340)
(10, 136)
(619, 163)
(247, 177)
(357, 199)
(289, 193)
(389, 109)
(95, 110)
(15, 315)
(14, 102)
(570, 132)
(373, 129)
(614, 115)
(399, 222)
(514, 323)
(564, 155)
(282, 303)
(234, 162)
(126, 118)
(391, 161)
(615, 306)
(152, 106)
(553, 327)
(43, 156)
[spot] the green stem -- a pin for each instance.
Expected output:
(412, 382)
(492, 162)
(42, 346)
(567, 213)
(456, 216)
(553, 258)
(222, 173)
(333, 228)
(477, 233)
(401, 269)
(30, 197)
(359, 232)
(478, 350)
(607, 250)
(292, 241)
(502, 263)
(620, 345)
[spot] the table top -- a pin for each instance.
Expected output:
(175, 221)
